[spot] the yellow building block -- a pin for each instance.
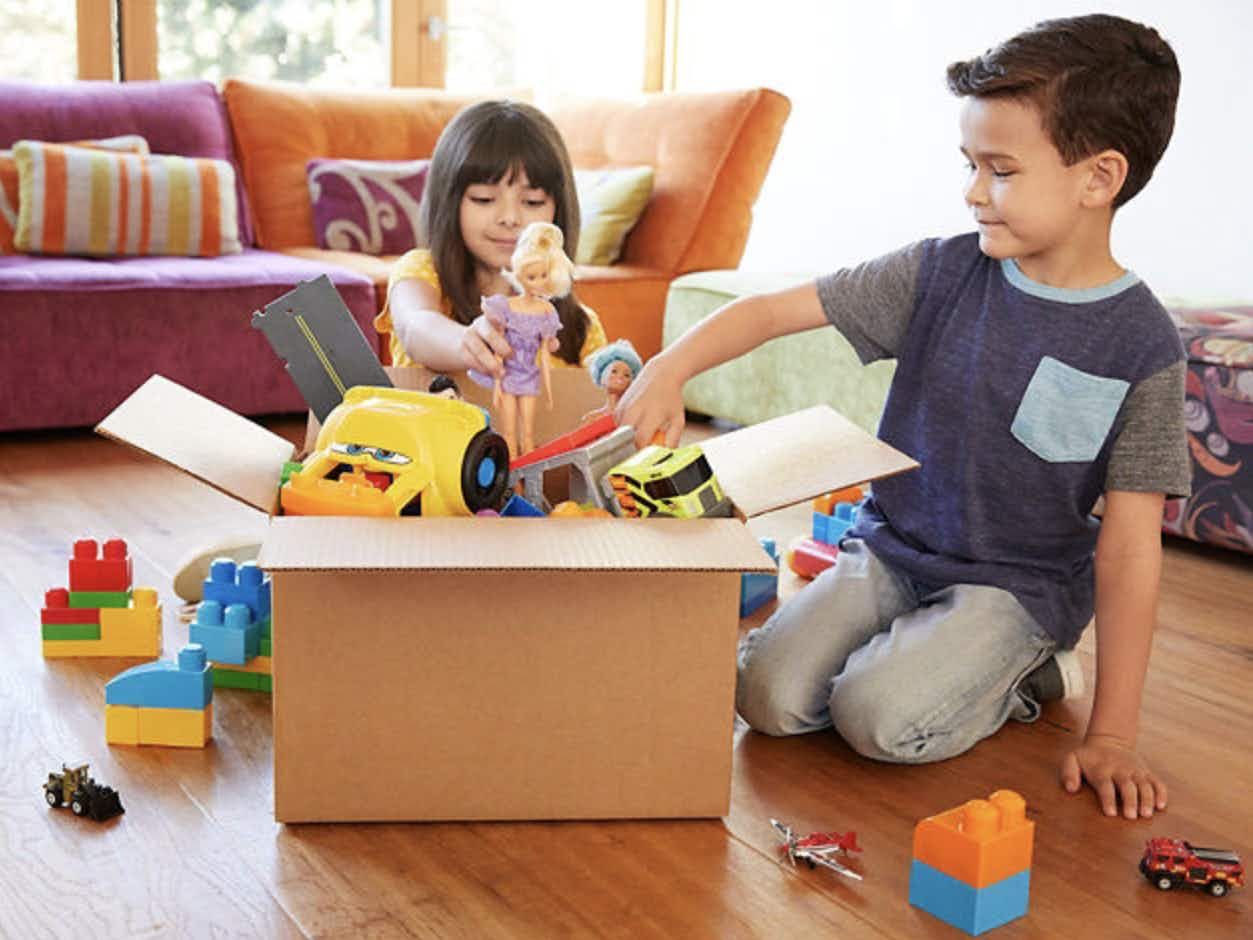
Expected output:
(176, 727)
(259, 664)
(121, 724)
(979, 843)
(124, 631)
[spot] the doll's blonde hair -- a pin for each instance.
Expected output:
(542, 242)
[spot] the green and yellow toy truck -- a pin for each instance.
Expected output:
(658, 481)
(73, 785)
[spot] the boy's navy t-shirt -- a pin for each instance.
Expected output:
(1023, 403)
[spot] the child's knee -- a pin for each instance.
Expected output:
(882, 719)
(762, 699)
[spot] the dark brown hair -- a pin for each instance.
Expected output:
(1099, 82)
(484, 143)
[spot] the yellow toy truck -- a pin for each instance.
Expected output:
(658, 481)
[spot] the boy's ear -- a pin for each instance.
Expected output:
(1108, 172)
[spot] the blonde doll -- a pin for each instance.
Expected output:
(540, 271)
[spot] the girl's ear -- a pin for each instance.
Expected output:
(1107, 174)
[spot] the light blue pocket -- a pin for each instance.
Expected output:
(1065, 414)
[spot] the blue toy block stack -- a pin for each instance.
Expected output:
(233, 625)
(757, 588)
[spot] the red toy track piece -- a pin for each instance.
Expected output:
(809, 557)
(579, 437)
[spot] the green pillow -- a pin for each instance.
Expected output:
(611, 201)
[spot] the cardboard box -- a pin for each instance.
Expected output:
(477, 669)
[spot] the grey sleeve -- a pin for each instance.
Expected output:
(1150, 453)
(871, 304)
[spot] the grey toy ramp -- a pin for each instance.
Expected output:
(312, 331)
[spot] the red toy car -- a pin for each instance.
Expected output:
(1171, 862)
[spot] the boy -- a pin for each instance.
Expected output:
(1034, 375)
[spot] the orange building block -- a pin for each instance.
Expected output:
(827, 502)
(979, 843)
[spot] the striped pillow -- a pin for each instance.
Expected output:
(88, 202)
(127, 143)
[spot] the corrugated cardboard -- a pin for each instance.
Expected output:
(507, 669)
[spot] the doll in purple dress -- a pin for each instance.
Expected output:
(540, 271)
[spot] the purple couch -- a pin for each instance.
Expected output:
(81, 334)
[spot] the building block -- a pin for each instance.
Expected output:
(100, 599)
(757, 588)
(71, 631)
(57, 609)
(228, 635)
(809, 558)
(227, 678)
(980, 842)
(520, 506)
(93, 570)
(121, 724)
(244, 584)
(266, 643)
(168, 684)
(973, 910)
(164, 727)
(827, 502)
(831, 528)
(134, 631)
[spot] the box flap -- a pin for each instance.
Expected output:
(329, 543)
(201, 438)
(788, 460)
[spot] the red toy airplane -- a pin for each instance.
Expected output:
(817, 848)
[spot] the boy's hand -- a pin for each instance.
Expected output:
(1114, 769)
(483, 346)
(654, 402)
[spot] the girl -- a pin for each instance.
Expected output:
(497, 167)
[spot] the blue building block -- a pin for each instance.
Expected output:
(185, 683)
(246, 585)
(974, 910)
(517, 506)
(228, 636)
(832, 528)
(757, 588)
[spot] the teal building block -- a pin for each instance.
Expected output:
(183, 683)
(228, 636)
(973, 910)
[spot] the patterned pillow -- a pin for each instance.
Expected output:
(128, 143)
(610, 202)
(369, 206)
(89, 202)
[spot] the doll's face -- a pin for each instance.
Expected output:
(618, 376)
(535, 279)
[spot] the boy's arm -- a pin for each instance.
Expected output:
(654, 400)
(1128, 568)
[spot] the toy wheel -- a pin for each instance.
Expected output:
(1217, 888)
(78, 806)
(52, 798)
(1164, 882)
(484, 471)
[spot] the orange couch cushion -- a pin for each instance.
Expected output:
(279, 128)
(710, 150)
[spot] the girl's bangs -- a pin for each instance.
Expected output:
(503, 149)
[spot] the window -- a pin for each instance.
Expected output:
(550, 48)
(38, 40)
(340, 43)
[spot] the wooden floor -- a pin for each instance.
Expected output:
(198, 852)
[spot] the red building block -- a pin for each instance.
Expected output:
(809, 557)
(57, 609)
(92, 571)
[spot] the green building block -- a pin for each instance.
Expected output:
(94, 600)
(71, 631)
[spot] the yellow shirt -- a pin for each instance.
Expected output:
(419, 264)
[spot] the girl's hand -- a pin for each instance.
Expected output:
(483, 346)
(554, 345)
(654, 402)
(1114, 769)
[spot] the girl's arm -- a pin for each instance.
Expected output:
(438, 342)
(654, 400)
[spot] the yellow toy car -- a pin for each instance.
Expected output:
(658, 481)
(393, 452)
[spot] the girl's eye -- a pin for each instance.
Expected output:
(536, 203)
(481, 200)
(1002, 174)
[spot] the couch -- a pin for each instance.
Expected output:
(82, 333)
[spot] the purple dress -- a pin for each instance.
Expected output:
(523, 332)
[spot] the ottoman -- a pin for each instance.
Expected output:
(781, 376)
(1218, 411)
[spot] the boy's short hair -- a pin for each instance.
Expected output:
(1100, 82)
